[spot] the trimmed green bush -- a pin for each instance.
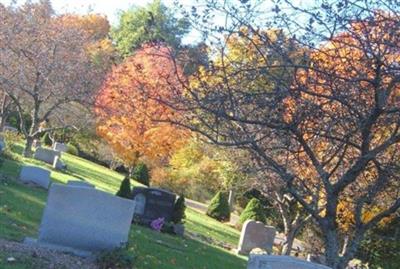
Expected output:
(179, 210)
(141, 174)
(219, 207)
(125, 189)
(254, 211)
(46, 140)
(72, 149)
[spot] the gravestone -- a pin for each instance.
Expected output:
(256, 235)
(46, 155)
(58, 164)
(36, 143)
(80, 183)
(152, 203)
(231, 198)
(280, 262)
(35, 175)
(84, 220)
(2, 144)
(60, 147)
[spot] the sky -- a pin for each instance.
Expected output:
(108, 7)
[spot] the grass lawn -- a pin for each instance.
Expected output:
(21, 210)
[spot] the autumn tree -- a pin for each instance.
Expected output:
(130, 118)
(325, 123)
(45, 68)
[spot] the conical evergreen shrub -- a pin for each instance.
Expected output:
(141, 174)
(125, 189)
(219, 207)
(254, 211)
(179, 210)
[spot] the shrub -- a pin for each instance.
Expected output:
(179, 210)
(46, 140)
(141, 174)
(11, 140)
(119, 258)
(219, 207)
(125, 189)
(254, 211)
(72, 149)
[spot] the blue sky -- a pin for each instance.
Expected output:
(107, 7)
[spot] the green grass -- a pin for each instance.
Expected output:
(21, 209)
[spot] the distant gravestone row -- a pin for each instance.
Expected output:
(82, 220)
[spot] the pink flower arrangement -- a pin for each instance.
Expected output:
(157, 224)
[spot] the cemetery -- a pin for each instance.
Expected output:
(207, 134)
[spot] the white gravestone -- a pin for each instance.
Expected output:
(84, 220)
(281, 262)
(60, 147)
(80, 183)
(58, 164)
(46, 155)
(35, 175)
(256, 235)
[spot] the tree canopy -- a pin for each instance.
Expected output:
(152, 23)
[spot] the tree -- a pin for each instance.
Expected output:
(325, 124)
(130, 118)
(219, 207)
(45, 68)
(179, 210)
(253, 211)
(141, 174)
(153, 23)
(5, 109)
(125, 189)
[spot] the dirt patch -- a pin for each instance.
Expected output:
(35, 257)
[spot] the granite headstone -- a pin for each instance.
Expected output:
(60, 147)
(84, 220)
(280, 262)
(255, 235)
(46, 155)
(153, 203)
(35, 175)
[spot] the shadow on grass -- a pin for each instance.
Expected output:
(153, 249)
(20, 209)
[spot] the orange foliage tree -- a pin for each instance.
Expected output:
(129, 116)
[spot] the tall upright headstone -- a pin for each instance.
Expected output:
(256, 234)
(84, 220)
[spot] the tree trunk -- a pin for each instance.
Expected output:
(332, 249)
(2, 122)
(28, 147)
(288, 244)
